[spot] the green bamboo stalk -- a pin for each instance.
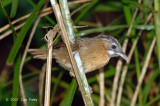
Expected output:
(157, 27)
(80, 75)
(16, 81)
(67, 20)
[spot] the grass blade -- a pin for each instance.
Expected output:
(67, 101)
(22, 33)
(16, 81)
(6, 2)
(153, 100)
(6, 15)
(56, 86)
(14, 8)
(113, 27)
(157, 27)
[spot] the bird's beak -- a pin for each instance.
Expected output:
(123, 55)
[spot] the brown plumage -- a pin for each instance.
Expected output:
(93, 52)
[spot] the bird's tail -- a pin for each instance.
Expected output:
(39, 53)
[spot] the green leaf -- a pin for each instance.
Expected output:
(6, 2)
(55, 88)
(22, 33)
(153, 100)
(63, 84)
(67, 101)
(157, 27)
(94, 30)
(14, 8)
(134, 4)
(6, 15)
(16, 81)
(46, 17)
(113, 27)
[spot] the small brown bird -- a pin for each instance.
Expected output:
(94, 52)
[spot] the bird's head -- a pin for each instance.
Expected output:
(113, 47)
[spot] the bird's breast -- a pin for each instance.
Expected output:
(95, 60)
(93, 55)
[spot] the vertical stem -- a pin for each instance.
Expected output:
(48, 70)
(23, 59)
(119, 63)
(124, 72)
(68, 34)
(143, 72)
(67, 20)
(41, 84)
(15, 80)
(128, 18)
(157, 26)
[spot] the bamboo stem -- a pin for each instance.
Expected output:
(79, 73)
(78, 69)
(48, 69)
(157, 27)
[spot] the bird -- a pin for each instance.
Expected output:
(94, 52)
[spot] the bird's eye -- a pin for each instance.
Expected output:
(113, 47)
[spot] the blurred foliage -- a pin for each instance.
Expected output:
(102, 17)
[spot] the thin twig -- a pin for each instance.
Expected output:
(80, 78)
(91, 24)
(77, 2)
(119, 63)
(81, 7)
(22, 18)
(41, 84)
(101, 86)
(45, 12)
(42, 11)
(77, 64)
(50, 35)
(21, 25)
(23, 59)
(80, 26)
(34, 51)
(10, 31)
(48, 69)
(26, 49)
(124, 72)
(143, 72)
